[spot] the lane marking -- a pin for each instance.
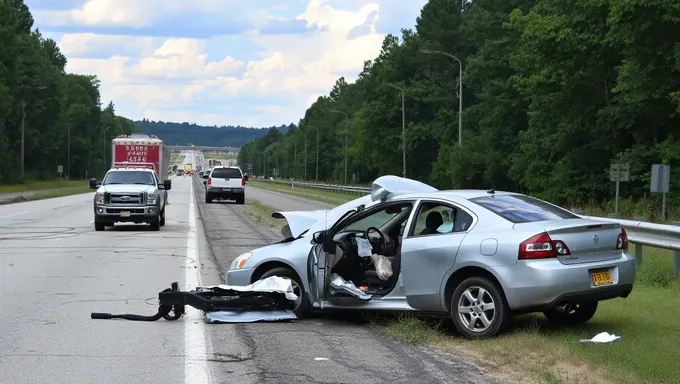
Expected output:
(196, 369)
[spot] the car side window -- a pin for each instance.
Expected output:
(437, 218)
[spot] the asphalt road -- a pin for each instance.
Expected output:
(55, 270)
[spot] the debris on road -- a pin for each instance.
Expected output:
(269, 299)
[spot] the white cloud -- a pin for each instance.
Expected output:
(185, 79)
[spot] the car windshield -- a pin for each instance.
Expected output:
(129, 177)
(226, 173)
(522, 209)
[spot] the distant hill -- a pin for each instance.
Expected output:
(186, 133)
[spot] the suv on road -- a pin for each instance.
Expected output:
(225, 182)
(133, 195)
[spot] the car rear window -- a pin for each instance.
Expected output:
(226, 173)
(522, 209)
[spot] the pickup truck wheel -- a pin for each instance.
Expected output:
(241, 200)
(162, 220)
(156, 224)
(99, 226)
(208, 198)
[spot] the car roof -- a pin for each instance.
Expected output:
(453, 193)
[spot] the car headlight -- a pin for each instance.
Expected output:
(240, 261)
(151, 198)
(99, 198)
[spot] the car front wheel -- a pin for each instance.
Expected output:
(479, 309)
(302, 304)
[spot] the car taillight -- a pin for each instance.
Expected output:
(243, 182)
(622, 240)
(209, 180)
(542, 246)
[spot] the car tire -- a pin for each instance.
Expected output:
(579, 315)
(470, 324)
(156, 224)
(162, 219)
(99, 226)
(303, 306)
(208, 199)
(241, 200)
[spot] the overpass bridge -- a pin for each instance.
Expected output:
(225, 150)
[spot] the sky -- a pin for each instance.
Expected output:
(253, 63)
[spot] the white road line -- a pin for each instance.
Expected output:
(195, 366)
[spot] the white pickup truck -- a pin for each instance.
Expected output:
(133, 195)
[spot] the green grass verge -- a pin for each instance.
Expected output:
(47, 195)
(40, 185)
(535, 350)
(309, 193)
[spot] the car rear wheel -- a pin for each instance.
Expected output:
(576, 314)
(302, 305)
(208, 199)
(241, 200)
(479, 309)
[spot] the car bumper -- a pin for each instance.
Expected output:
(537, 285)
(225, 191)
(239, 277)
(135, 214)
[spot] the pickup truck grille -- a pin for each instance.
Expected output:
(116, 198)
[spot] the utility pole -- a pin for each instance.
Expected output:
(23, 129)
(68, 161)
(305, 136)
(403, 126)
(317, 153)
(346, 138)
(460, 92)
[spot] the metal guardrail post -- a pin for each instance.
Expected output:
(676, 254)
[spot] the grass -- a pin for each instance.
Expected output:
(47, 195)
(40, 185)
(535, 351)
(261, 214)
(309, 193)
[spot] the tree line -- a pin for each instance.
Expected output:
(59, 115)
(189, 133)
(553, 92)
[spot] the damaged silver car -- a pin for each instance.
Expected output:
(478, 256)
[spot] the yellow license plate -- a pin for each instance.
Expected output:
(602, 278)
(125, 214)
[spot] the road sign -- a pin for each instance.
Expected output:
(60, 169)
(661, 178)
(619, 172)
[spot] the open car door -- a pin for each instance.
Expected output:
(325, 253)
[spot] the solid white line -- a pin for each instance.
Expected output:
(195, 366)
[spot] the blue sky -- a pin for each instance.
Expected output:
(220, 62)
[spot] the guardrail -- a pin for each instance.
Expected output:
(639, 232)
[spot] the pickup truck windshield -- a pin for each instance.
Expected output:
(129, 177)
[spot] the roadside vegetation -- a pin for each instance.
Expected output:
(61, 192)
(535, 351)
(38, 185)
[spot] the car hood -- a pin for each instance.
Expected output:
(126, 188)
(382, 188)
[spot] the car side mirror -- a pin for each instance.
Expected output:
(167, 185)
(93, 183)
(319, 237)
(205, 175)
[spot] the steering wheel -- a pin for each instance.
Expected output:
(379, 243)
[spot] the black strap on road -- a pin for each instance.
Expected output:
(172, 303)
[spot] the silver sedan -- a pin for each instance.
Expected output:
(478, 256)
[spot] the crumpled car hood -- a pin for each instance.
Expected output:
(299, 221)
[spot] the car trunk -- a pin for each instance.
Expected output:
(226, 178)
(588, 240)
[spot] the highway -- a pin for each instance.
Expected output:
(55, 270)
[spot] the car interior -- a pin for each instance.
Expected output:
(384, 230)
